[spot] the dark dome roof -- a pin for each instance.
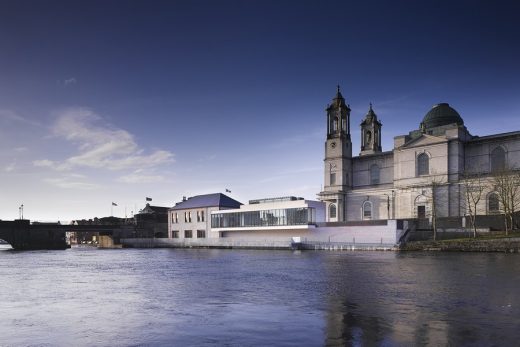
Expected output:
(441, 114)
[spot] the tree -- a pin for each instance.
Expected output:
(435, 198)
(507, 186)
(474, 186)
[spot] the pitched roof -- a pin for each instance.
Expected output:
(154, 209)
(207, 200)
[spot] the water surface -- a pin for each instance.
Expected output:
(129, 297)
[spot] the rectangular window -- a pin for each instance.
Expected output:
(198, 216)
(374, 174)
(189, 217)
(188, 234)
(332, 179)
(421, 212)
(201, 234)
(175, 234)
(176, 217)
(185, 217)
(202, 216)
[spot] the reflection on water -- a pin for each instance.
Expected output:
(418, 299)
(85, 296)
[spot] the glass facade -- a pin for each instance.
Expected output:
(278, 217)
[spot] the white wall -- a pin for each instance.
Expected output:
(373, 234)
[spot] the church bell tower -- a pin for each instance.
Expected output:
(370, 133)
(338, 160)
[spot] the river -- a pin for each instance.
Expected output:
(189, 297)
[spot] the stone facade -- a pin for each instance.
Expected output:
(425, 165)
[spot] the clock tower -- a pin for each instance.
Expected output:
(338, 160)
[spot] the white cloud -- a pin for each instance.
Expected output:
(15, 117)
(43, 163)
(51, 164)
(100, 145)
(10, 167)
(21, 149)
(70, 81)
(141, 178)
(71, 182)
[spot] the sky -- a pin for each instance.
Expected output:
(116, 101)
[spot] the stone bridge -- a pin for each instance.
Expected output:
(22, 235)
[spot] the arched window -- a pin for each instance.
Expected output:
(367, 210)
(335, 125)
(493, 203)
(332, 211)
(423, 165)
(374, 174)
(498, 159)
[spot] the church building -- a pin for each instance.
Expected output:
(424, 164)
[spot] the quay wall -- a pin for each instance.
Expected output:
(504, 245)
(204, 243)
(350, 237)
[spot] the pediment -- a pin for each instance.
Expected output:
(424, 140)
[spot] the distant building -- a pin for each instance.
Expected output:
(190, 218)
(152, 221)
(399, 184)
(272, 219)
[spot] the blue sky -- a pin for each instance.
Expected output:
(105, 101)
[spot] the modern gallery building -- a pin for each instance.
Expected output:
(272, 218)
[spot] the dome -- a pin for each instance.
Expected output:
(441, 114)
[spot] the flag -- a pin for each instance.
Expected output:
(228, 191)
(148, 199)
(114, 204)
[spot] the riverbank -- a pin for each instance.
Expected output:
(501, 244)
(484, 244)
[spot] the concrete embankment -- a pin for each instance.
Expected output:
(255, 244)
(504, 245)
(204, 243)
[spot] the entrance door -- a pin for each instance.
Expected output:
(421, 211)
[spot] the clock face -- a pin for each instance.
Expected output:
(333, 144)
